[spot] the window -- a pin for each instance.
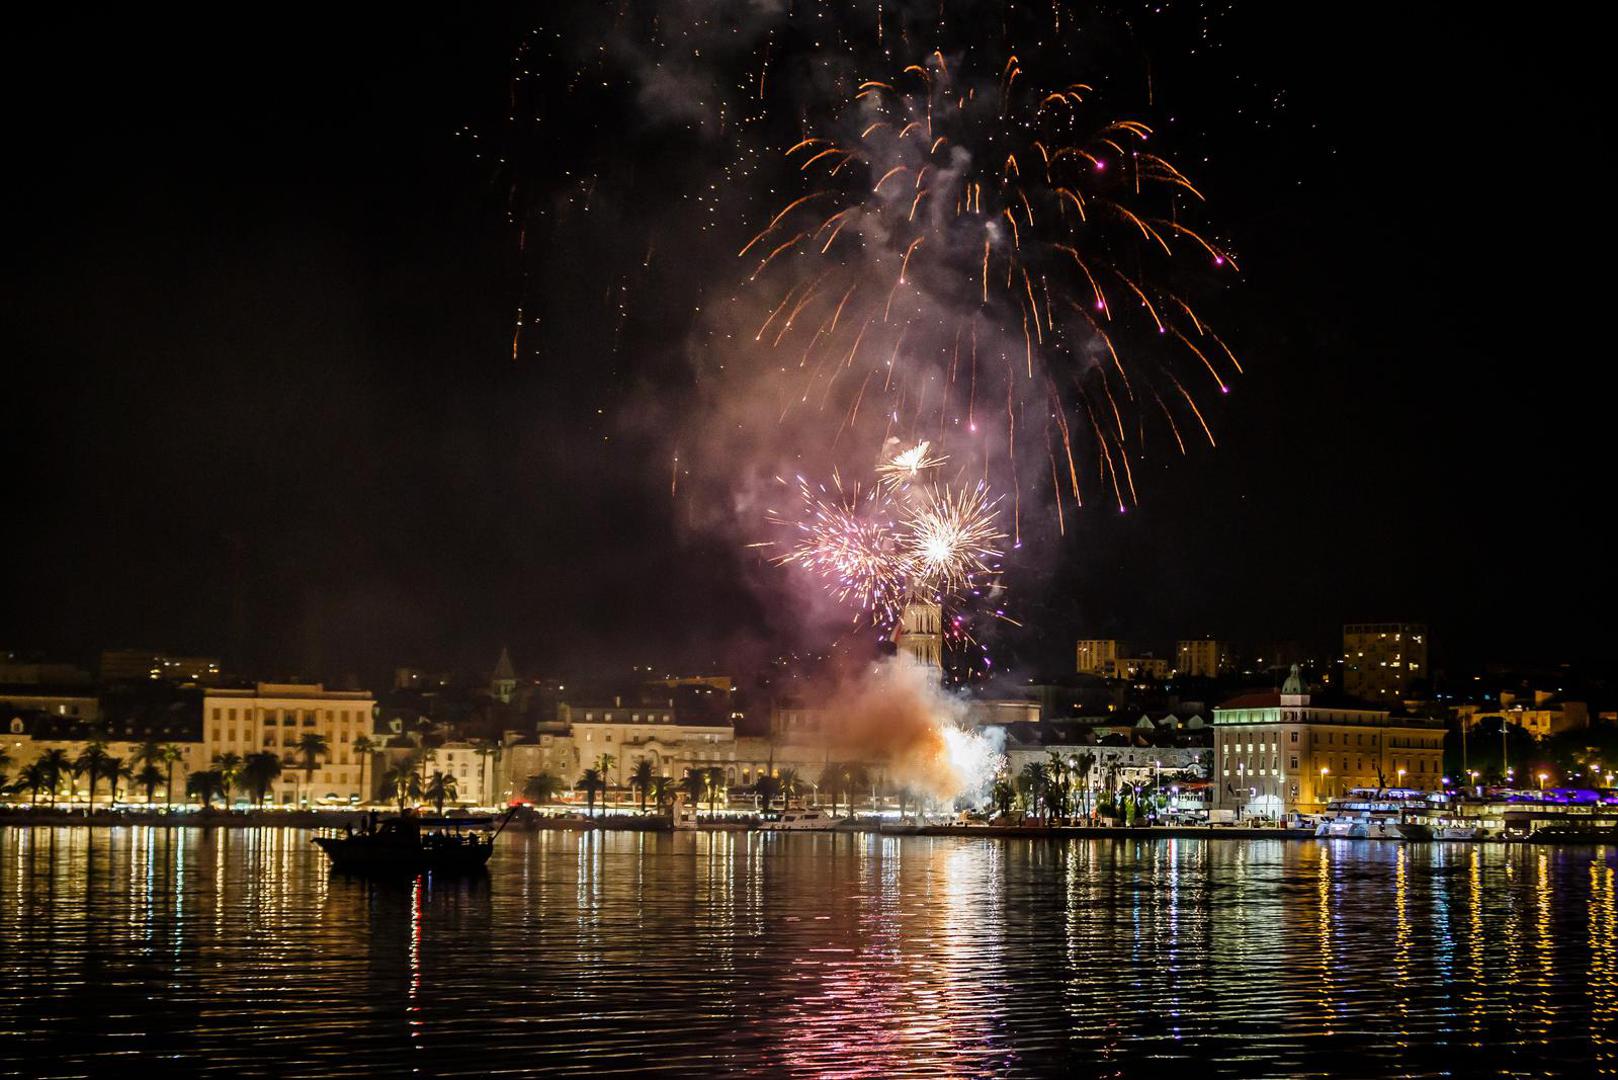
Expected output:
(1292, 762)
(1294, 736)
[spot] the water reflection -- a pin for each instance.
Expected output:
(235, 951)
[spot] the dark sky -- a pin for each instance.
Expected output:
(261, 398)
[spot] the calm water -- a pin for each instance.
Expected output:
(234, 952)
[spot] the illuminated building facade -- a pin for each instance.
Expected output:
(274, 717)
(1096, 656)
(1381, 660)
(1276, 752)
(1203, 658)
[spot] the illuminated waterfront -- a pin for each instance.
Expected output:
(234, 952)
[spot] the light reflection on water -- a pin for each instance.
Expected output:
(234, 951)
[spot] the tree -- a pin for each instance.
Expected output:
(1086, 762)
(364, 746)
(695, 785)
(485, 749)
(403, 781)
(206, 785)
(229, 768)
(312, 745)
(117, 769)
(604, 764)
(5, 763)
(714, 780)
(1031, 784)
(641, 780)
(591, 783)
(172, 755)
(791, 784)
(767, 788)
(56, 765)
(92, 763)
(259, 771)
(441, 788)
(1004, 792)
(542, 788)
(33, 779)
(662, 791)
(149, 777)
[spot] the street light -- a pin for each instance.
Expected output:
(1401, 778)
(1324, 770)
(1542, 781)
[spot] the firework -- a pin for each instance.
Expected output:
(907, 466)
(849, 543)
(974, 229)
(951, 539)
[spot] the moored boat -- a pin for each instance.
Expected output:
(399, 845)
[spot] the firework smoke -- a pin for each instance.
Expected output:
(895, 714)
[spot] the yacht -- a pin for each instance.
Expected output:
(1368, 814)
(813, 819)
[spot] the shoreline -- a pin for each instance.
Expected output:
(338, 819)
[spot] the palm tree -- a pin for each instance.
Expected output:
(591, 782)
(364, 746)
(33, 779)
(790, 785)
(5, 763)
(149, 777)
(766, 788)
(1084, 763)
(542, 788)
(713, 779)
(1031, 781)
(92, 762)
(117, 770)
(172, 755)
(605, 763)
(56, 764)
(662, 791)
(695, 785)
(641, 780)
(403, 780)
(229, 768)
(312, 745)
(1004, 792)
(259, 771)
(441, 788)
(207, 785)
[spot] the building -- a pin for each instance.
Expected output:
(1097, 657)
(1135, 668)
(1276, 753)
(671, 740)
(503, 683)
(275, 717)
(1381, 660)
(920, 634)
(138, 665)
(27, 738)
(1202, 658)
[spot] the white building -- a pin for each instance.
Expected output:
(274, 717)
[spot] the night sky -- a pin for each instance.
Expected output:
(258, 313)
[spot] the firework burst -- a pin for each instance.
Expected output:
(907, 466)
(848, 542)
(974, 233)
(951, 540)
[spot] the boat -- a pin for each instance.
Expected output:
(813, 819)
(1366, 814)
(1573, 833)
(453, 845)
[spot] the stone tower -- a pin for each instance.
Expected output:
(503, 683)
(920, 633)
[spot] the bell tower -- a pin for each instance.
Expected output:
(920, 633)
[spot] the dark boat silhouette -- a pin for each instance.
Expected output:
(411, 843)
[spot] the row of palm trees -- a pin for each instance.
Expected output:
(152, 766)
(148, 768)
(1059, 788)
(650, 787)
